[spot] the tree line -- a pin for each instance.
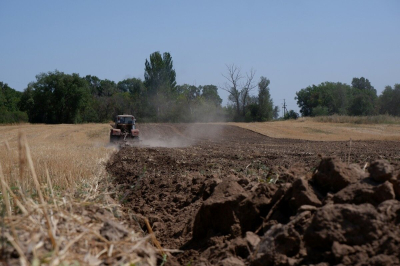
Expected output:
(358, 99)
(56, 97)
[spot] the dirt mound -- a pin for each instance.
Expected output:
(358, 225)
(221, 202)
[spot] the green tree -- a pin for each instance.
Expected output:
(137, 96)
(108, 88)
(27, 103)
(56, 97)
(9, 98)
(187, 103)
(307, 99)
(389, 100)
(291, 115)
(265, 104)
(252, 110)
(201, 104)
(210, 94)
(132, 85)
(104, 102)
(364, 98)
(160, 81)
(335, 97)
(94, 85)
(328, 97)
(159, 73)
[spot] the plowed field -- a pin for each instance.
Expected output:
(219, 193)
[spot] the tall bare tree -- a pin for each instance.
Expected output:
(239, 90)
(246, 88)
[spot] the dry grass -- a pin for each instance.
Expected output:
(70, 152)
(55, 204)
(308, 129)
(378, 119)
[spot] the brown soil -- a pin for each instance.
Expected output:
(208, 191)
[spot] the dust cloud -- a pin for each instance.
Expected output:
(178, 135)
(168, 135)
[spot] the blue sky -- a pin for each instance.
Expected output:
(292, 43)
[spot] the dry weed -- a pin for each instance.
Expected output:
(376, 119)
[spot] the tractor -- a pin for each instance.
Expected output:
(124, 129)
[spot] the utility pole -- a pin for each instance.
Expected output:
(284, 107)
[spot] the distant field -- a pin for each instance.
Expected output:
(312, 130)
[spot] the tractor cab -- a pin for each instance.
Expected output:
(125, 122)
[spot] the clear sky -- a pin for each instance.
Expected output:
(293, 43)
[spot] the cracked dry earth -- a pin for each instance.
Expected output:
(223, 195)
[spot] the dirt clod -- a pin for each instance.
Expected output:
(380, 170)
(219, 213)
(359, 193)
(333, 175)
(301, 194)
